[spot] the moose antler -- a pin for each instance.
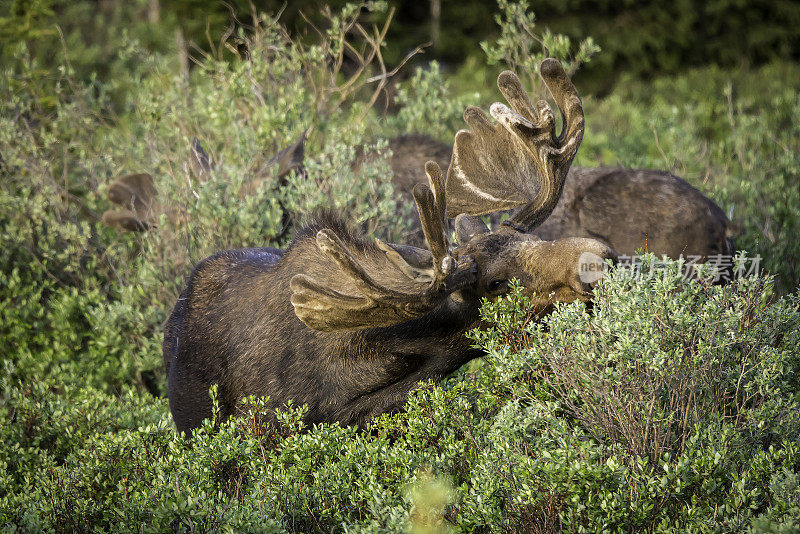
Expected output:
(498, 166)
(420, 280)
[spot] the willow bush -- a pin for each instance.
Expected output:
(505, 445)
(670, 405)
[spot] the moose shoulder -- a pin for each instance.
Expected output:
(349, 326)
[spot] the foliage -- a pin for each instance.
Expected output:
(431, 103)
(645, 377)
(647, 38)
(500, 447)
(506, 444)
(522, 49)
(41, 36)
(644, 38)
(427, 103)
(90, 297)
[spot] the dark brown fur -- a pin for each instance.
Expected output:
(234, 326)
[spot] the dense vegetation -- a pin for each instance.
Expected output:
(673, 405)
(638, 37)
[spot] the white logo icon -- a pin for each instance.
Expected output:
(591, 267)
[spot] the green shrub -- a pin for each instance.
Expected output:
(670, 406)
(521, 48)
(689, 394)
(83, 302)
(429, 105)
(502, 445)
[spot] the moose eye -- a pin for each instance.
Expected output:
(497, 285)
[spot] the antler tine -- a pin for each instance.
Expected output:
(541, 120)
(325, 308)
(494, 166)
(330, 244)
(433, 216)
(569, 102)
(432, 209)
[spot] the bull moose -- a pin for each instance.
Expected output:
(348, 326)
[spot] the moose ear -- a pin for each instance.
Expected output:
(291, 157)
(125, 220)
(200, 160)
(467, 227)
